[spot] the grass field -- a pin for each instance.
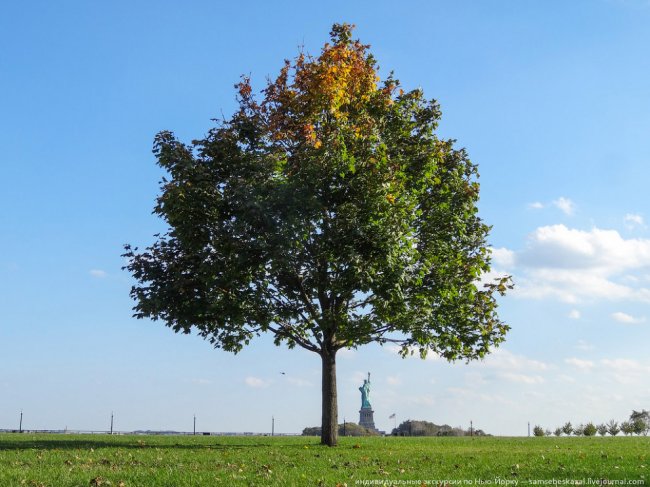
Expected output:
(102, 460)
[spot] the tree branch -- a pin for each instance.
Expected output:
(305, 297)
(287, 331)
(361, 304)
(287, 305)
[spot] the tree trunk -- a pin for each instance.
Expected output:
(329, 423)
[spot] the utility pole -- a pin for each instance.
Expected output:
(272, 425)
(20, 426)
(194, 430)
(471, 428)
(111, 422)
(344, 425)
(528, 428)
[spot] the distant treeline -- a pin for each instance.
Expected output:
(638, 424)
(407, 428)
(345, 429)
(425, 428)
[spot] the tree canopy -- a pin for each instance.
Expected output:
(327, 212)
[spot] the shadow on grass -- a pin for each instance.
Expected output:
(8, 443)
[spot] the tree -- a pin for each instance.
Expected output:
(613, 428)
(640, 421)
(567, 429)
(557, 432)
(602, 429)
(589, 429)
(627, 428)
(639, 427)
(578, 430)
(327, 213)
(538, 431)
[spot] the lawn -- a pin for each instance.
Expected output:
(103, 460)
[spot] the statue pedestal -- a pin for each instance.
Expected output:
(366, 418)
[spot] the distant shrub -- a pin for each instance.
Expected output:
(567, 429)
(538, 431)
(641, 421)
(347, 429)
(425, 428)
(557, 432)
(627, 428)
(578, 430)
(311, 431)
(590, 429)
(602, 429)
(613, 428)
(640, 427)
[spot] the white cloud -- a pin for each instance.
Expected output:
(632, 220)
(622, 371)
(574, 314)
(98, 273)
(424, 400)
(506, 365)
(565, 205)
(575, 286)
(575, 265)
(499, 359)
(504, 360)
(460, 391)
(626, 371)
(557, 246)
(475, 379)
(625, 365)
(583, 345)
(626, 318)
(256, 382)
(466, 394)
(585, 365)
(566, 378)
(522, 378)
(393, 380)
(503, 257)
(631, 279)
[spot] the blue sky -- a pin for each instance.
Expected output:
(551, 100)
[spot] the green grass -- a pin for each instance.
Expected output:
(78, 460)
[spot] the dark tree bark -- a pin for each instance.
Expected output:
(329, 423)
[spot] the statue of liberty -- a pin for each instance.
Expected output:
(365, 394)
